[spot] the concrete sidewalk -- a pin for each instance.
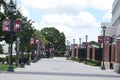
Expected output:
(59, 69)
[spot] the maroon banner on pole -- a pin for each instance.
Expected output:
(107, 39)
(17, 25)
(100, 39)
(84, 45)
(31, 41)
(6, 25)
(37, 40)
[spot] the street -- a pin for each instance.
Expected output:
(59, 69)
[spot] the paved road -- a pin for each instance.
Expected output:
(59, 69)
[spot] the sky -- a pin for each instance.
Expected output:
(75, 18)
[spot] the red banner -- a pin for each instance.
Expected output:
(6, 25)
(100, 39)
(84, 45)
(107, 39)
(31, 41)
(17, 25)
(37, 40)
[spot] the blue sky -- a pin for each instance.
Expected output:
(76, 18)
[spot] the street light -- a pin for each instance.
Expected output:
(22, 45)
(102, 64)
(12, 9)
(79, 42)
(86, 49)
(29, 27)
(35, 46)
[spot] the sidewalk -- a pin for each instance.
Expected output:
(59, 69)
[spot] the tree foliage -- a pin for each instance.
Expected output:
(54, 38)
(94, 43)
(1, 49)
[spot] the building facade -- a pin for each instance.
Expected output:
(113, 28)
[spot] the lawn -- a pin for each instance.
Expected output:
(4, 67)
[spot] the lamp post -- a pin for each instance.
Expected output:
(12, 8)
(102, 64)
(79, 42)
(35, 59)
(86, 49)
(29, 27)
(22, 65)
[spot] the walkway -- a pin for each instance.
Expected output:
(59, 69)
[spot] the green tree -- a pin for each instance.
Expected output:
(54, 39)
(1, 49)
(94, 43)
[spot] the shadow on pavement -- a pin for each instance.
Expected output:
(62, 74)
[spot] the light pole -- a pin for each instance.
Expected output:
(86, 49)
(103, 50)
(35, 46)
(79, 42)
(22, 65)
(12, 8)
(29, 27)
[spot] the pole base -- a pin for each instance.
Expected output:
(118, 70)
(22, 65)
(103, 68)
(10, 68)
(28, 63)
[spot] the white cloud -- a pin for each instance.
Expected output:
(73, 26)
(82, 20)
(67, 5)
(24, 11)
(107, 16)
(103, 5)
(56, 4)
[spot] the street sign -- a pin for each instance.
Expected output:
(6, 25)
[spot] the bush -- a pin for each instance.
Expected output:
(2, 60)
(94, 62)
(89, 61)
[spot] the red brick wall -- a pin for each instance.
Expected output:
(117, 51)
(106, 53)
(113, 53)
(88, 53)
(93, 53)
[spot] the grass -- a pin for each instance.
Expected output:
(4, 67)
(88, 62)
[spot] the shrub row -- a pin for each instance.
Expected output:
(14, 57)
(89, 61)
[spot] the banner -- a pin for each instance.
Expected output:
(73, 46)
(100, 39)
(31, 41)
(6, 25)
(84, 45)
(107, 39)
(17, 25)
(37, 40)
